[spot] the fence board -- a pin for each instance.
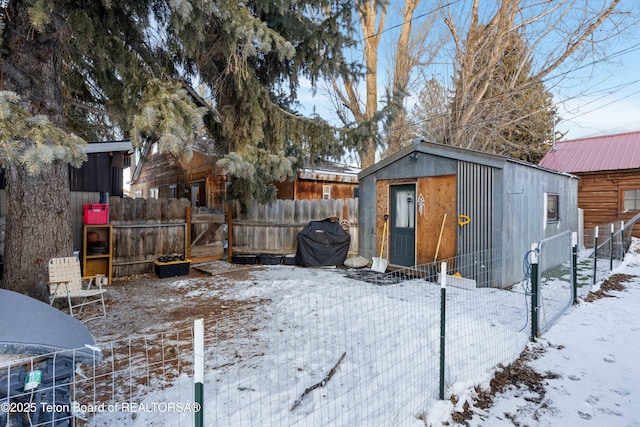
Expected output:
(273, 227)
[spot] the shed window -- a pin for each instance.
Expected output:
(552, 208)
(326, 192)
(173, 191)
(632, 200)
(153, 193)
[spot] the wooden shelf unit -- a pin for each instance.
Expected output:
(101, 263)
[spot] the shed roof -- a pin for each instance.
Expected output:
(109, 146)
(330, 171)
(448, 151)
(598, 153)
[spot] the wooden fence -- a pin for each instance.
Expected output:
(273, 228)
(145, 229)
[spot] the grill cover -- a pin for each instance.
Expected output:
(322, 244)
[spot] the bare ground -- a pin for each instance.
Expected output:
(147, 304)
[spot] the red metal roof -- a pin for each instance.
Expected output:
(599, 153)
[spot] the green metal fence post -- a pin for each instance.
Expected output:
(534, 291)
(198, 371)
(611, 251)
(443, 306)
(574, 265)
(622, 248)
(595, 256)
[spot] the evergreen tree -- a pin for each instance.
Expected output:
(430, 113)
(114, 68)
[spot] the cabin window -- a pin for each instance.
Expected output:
(153, 193)
(326, 192)
(631, 200)
(138, 194)
(154, 148)
(552, 208)
(173, 191)
(195, 195)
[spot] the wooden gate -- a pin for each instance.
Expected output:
(208, 231)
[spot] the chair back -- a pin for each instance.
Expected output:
(67, 270)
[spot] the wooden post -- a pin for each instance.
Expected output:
(187, 234)
(229, 233)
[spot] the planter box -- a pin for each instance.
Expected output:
(289, 259)
(267, 259)
(172, 268)
(244, 259)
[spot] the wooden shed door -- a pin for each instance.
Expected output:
(402, 225)
(436, 197)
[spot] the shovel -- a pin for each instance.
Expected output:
(433, 270)
(435, 258)
(380, 264)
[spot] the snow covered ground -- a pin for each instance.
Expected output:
(594, 349)
(261, 363)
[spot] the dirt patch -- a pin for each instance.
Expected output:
(519, 376)
(613, 283)
(147, 304)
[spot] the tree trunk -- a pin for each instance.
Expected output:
(38, 226)
(38, 223)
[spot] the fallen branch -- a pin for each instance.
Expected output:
(320, 384)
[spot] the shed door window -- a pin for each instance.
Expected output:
(552, 208)
(405, 211)
(632, 200)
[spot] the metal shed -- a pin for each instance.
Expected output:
(492, 203)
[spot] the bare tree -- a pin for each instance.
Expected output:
(557, 31)
(416, 47)
(410, 51)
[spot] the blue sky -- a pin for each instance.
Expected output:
(605, 102)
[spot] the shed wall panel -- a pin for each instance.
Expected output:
(525, 216)
(475, 194)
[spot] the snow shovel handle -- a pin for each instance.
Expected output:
(384, 234)
(435, 258)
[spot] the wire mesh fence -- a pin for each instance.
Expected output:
(145, 378)
(606, 246)
(555, 291)
(331, 347)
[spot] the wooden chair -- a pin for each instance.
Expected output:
(66, 281)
